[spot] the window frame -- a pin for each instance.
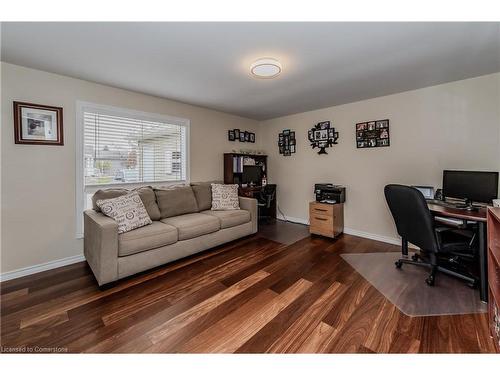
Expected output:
(81, 191)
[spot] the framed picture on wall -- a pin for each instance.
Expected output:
(252, 137)
(373, 134)
(36, 124)
(287, 142)
(230, 135)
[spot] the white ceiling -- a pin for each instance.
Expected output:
(207, 64)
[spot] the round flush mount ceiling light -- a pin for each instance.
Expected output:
(266, 68)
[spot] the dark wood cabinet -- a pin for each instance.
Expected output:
(494, 273)
(234, 166)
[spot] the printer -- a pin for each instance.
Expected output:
(329, 193)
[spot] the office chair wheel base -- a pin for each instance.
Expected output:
(398, 264)
(430, 280)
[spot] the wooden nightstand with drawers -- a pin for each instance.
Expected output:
(326, 219)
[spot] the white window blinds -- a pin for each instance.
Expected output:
(127, 149)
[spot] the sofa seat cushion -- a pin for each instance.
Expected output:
(231, 218)
(146, 238)
(193, 225)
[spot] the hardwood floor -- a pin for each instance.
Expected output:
(254, 295)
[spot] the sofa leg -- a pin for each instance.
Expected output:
(107, 286)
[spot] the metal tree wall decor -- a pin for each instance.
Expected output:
(323, 136)
(286, 142)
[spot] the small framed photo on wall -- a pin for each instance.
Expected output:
(252, 137)
(230, 135)
(36, 124)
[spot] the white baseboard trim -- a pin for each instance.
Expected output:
(354, 232)
(297, 220)
(40, 267)
(372, 236)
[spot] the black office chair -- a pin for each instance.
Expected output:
(265, 199)
(415, 224)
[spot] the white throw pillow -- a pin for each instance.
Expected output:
(225, 197)
(128, 211)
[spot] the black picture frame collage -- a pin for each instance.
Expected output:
(371, 134)
(287, 143)
(242, 136)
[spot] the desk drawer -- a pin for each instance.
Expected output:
(321, 209)
(318, 219)
(321, 224)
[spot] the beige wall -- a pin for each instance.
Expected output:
(455, 125)
(38, 182)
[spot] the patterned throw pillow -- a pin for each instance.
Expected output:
(225, 197)
(128, 211)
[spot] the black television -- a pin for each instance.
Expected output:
(471, 186)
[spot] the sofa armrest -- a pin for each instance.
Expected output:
(250, 204)
(100, 246)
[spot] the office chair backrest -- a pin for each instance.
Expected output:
(268, 193)
(413, 219)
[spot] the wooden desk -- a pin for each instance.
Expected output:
(457, 213)
(249, 191)
(252, 192)
(479, 217)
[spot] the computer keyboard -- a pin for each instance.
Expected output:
(450, 221)
(457, 205)
(439, 202)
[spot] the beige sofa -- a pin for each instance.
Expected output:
(183, 224)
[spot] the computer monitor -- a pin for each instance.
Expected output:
(471, 186)
(252, 173)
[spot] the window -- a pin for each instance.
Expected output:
(124, 148)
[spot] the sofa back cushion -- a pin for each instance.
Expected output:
(176, 201)
(148, 198)
(203, 193)
(102, 194)
(146, 194)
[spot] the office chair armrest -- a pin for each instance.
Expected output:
(260, 197)
(268, 201)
